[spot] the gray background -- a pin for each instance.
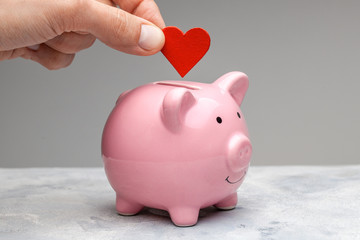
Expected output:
(302, 107)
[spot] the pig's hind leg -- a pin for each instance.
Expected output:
(127, 208)
(228, 203)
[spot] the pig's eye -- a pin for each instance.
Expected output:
(238, 114)
(219, 120)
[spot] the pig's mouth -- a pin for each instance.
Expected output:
(233, 182)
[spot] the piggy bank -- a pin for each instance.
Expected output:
(178, 146)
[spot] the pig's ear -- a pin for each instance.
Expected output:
(122, 95)
(175, 105)
(236, 83)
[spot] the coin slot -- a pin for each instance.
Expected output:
(177, 84)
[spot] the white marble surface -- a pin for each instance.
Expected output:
(274, 203)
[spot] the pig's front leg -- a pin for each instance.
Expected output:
(228, 203)
(184, 216)
(127, 208)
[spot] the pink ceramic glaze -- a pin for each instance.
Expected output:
(178, 146)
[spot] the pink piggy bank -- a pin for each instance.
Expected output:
(178, 146)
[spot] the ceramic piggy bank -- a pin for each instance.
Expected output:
(178, 146)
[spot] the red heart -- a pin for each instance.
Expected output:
(184, 51)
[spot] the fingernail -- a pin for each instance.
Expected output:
(151, 37)
(34, 47)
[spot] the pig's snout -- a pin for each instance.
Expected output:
(239, 152)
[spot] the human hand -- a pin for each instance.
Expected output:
(51, 32)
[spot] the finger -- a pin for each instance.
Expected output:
(70, 42)
(119, 29)
(14, 53)
(144, 9)
(49, 58)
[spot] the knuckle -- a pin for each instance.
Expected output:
(69, 16)
(70, 43)
(69, 60)
(120, 26)
(4, 55)
(90, 39)
(79, 4)
(58, 42)
(58, 61)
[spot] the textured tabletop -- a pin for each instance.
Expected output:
(274, 203)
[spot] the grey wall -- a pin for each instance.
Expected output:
(302, 107)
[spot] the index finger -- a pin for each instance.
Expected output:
(146, 9)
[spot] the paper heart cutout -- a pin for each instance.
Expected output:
(184, 51)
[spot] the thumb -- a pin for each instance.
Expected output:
(120, 30)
